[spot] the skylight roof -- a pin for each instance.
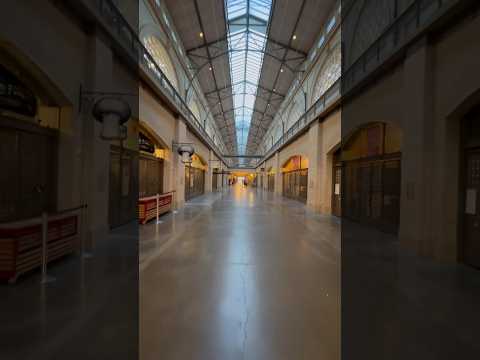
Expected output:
(247, 26)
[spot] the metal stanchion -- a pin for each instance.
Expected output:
(82, 227)
(158, 204)
(45, 277)
(174, 204)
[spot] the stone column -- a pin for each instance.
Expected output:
(417, 190)
(209, 173)
(177, 165)
(96, 152)
(315, 166)
(278, 174)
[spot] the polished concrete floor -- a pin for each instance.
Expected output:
(90, 311)
(240, 275)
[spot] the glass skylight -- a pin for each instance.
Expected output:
(247, 26)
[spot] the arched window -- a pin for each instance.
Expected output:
(161, 57)
(367, 28)
(329, 73)
(297, 109)
(195, 110)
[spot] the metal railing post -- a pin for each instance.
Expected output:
(158, 201)
(83, 233)
(45, 278)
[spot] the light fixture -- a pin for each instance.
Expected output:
(210, 68)
(110, 109)
(294, 37)
(112, 112)
(186, 151)
(201, 34)
(281, 70)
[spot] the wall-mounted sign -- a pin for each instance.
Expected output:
(145, 144)
(15, 96)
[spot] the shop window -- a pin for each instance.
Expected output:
(370, 165)
(295, 178)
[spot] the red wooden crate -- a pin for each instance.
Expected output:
(21, 244)
(147, 207)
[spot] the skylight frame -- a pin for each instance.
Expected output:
(247, 22)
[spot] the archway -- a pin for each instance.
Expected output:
(295, 178)
(30, 112)
(370, 167)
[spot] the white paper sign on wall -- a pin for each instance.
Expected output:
(337, 189)
(471, 202)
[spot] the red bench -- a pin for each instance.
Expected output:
(21, 244)
(147, 207)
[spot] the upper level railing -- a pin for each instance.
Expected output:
(418, 16)
(328, 98)
(128, 38)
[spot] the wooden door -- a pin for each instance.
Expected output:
(391, 195)
(471, 233)
(150, 176)
(214, 182)
(28, 175)
(123, 191)
(336, 190)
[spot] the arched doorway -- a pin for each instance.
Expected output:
(370, 165)
(28, 149)
(470, 244)
(195, 177)
(295, 178)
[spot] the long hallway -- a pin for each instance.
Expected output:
(240, 275)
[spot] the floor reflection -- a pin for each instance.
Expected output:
(248, 288)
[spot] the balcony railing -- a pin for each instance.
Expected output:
(419, 15)
(329, 97)
(119, 27)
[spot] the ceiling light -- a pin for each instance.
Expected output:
(210, 68)
(201, 34)
(281, 69)
(294, 37)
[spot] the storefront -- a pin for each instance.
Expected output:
(371, 164)
(337, 184)
(28, 153)
(195, 178)
(270, 180)
(123, 185)
(295, 178)
(470, 248)
(151, 166)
